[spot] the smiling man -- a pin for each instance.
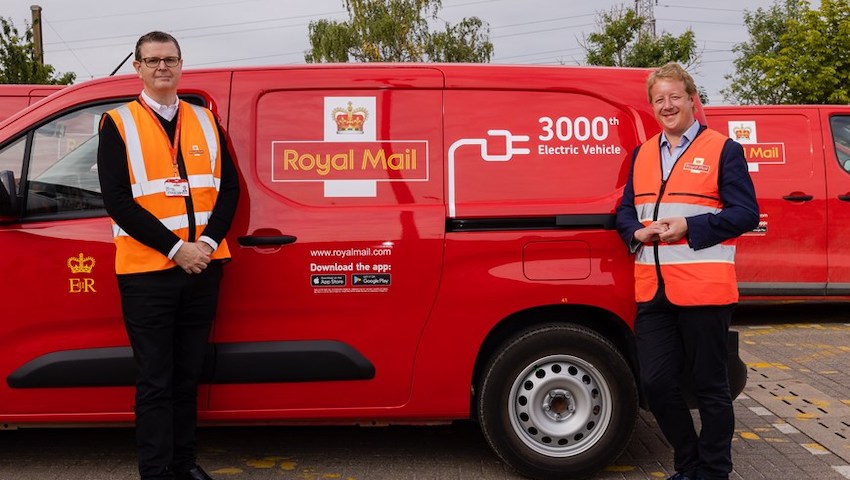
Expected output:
(688, 196)
(170, 186)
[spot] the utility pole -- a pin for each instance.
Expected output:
(36, 34)
(646, 9)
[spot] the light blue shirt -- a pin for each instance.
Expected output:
(668, 158)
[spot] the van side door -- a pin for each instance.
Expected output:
(60, 299)
(787, 254)
(338, 253)
(836, 130)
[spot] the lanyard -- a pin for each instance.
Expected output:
(175, 145)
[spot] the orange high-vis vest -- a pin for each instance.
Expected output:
(691, 277)
(150, 165)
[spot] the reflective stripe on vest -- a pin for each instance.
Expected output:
(680, 253)
(142, 185)
(691, 277)
(172, 223)
(200, 150)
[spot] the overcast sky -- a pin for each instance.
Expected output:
(92, 37)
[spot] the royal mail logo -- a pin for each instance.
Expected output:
(196, 151)
(81, 264)
(324, 161)
(697, 166)
(743, 131)
(347, 165)
(765, 153)
(350, 119)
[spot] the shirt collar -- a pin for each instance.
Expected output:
(689, 135)
(165, 111)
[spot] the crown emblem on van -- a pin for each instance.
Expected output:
(350, 119)
(81, 264)
(742, 132)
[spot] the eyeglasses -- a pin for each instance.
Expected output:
(153, 62)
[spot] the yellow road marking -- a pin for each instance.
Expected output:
(261, 463)
(768, 365)
(227, 471)
(620, 468)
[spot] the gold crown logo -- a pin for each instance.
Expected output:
(81, 264)
(742, 132)
(350, 120)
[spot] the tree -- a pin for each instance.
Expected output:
(397, 31)
(795, 55)
(618, 43)
(17, 59)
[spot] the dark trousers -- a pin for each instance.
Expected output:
(676, 343)
(168, 315)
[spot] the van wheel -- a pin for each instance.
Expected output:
(558, 401)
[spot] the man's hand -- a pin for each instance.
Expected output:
(192, 257)
(677, 227)
(651, 232)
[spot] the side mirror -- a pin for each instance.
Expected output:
(8, 196)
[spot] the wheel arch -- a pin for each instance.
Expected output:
(599, 320)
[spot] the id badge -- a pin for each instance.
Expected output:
(177, 187)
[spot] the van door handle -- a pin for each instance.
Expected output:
(798, 197)
(845, 197)
(266, 241)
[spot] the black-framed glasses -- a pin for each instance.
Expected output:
(153, 62)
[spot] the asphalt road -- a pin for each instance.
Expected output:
(793, 422)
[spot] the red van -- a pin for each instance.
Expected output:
(415, 243)
(799, 159)
(15, 97)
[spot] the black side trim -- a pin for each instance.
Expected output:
(770, 289)
(604, 221)
(838, 289)
(297, 361)
(93, 367)
(259, 362)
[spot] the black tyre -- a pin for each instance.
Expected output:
(558, 401)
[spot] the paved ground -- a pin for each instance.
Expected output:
(792, 423)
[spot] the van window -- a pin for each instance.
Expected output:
(841, 139)
(61, 170)
(12, 157)
(62, 175)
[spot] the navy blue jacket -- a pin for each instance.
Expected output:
(740, 212)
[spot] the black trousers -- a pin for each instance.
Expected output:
(688, 342)
(168, 315)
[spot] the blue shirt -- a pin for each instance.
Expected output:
(668, 158)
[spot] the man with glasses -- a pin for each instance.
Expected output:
(171, 188)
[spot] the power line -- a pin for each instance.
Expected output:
(208, 27)
(542, 21)
(539, 31)
(667, 5)
(69, 48)
(538, 53)
(161, 10)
